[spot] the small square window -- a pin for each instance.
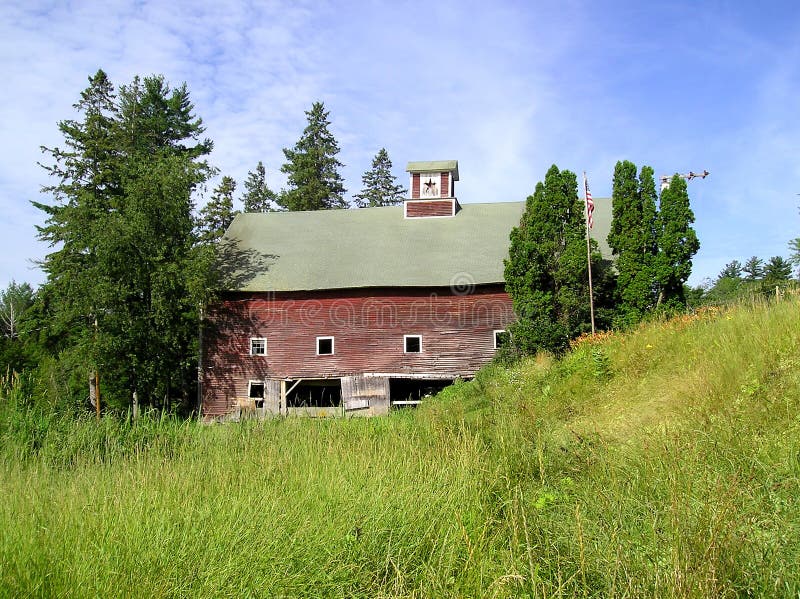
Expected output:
(412, 344)
(501, 338)
(324, 346)
(258, 346)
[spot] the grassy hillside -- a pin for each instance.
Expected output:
(661, 463)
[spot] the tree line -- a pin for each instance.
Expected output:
(652, 242)
(132, 260)
(313, 181)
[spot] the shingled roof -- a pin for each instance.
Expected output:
(377, 247)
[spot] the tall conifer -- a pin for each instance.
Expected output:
(633, 240)
(312, 167)
(677, 243)
(217, 214)
(546, 272)
(258, 197)
(123, 282)
(380, 185)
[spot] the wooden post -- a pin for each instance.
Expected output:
(282, 404)
(97, 393)
(96, 378)
(92, 389)
(135, 405)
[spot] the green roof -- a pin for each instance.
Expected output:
(434, 166)
(371, 247)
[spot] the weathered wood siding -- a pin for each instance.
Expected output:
(446, 185)
(423, 208)
(415, 185)
(365, 395)
(368, 327)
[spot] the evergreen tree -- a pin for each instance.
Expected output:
(217, 215)
(258, 197)
(123, 286)
(312, 167)
(777, 270)
(630, 239)
(753, 268)
(649, 198)
(546, 273)
(677, 243)
(732, 270)
(633, 239)
(380, 185)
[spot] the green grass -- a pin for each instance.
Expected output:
(664, 463)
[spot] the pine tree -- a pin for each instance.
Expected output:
(546, 273)
(732, 270)
(217, 215)
(312, 167)
(777, 270)
(258, 197)
(87, 188)
(380, 185)
(677, 243)
(753, 268)
(122, 289)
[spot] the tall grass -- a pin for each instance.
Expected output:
(665, 462)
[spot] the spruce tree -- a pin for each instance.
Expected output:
(753, 268)
(258, 197)
(123, 286)
(312, 167)
(677, 244)
(732, 270)
(546, 273)
(217, 215)
(380, 185)
(777, 270)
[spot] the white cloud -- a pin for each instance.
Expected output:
(506, 88)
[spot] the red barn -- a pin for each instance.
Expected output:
(354, 311)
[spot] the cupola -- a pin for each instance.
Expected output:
(432, 189)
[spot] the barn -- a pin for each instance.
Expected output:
(357, 312)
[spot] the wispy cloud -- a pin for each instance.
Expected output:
(507, 89)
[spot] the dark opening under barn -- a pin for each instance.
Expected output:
(315, 393)
(412, 391)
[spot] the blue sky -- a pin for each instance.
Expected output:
(506, 88)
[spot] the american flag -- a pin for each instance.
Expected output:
(589, 203)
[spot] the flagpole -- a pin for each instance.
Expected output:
(588, 248)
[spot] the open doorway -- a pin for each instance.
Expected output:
(314, 397)
(411, 392)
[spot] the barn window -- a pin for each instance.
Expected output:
(501, 338)
(256, 393)
(412, 344)
(324, 346)
(258, 346)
